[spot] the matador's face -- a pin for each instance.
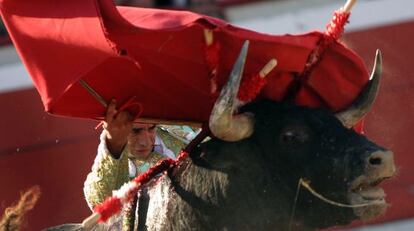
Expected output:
(141, 140)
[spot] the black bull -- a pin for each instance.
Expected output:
(248, 177)
(251, 184)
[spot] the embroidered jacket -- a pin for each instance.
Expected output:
(109, 174)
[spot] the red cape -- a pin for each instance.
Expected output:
(159, 58)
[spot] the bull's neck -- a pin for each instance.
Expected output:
(228, 181)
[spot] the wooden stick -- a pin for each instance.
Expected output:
(95, 94)
(208, 36)
(348, 6)
(90, 221)
(268, 68)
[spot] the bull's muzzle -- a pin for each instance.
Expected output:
(379, 166)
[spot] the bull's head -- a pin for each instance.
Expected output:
(314, 144)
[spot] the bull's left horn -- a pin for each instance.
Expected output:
(361, 106)
(223, 124)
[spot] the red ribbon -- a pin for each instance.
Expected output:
(251, 87)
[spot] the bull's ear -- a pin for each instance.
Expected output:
(362, 105)
(223, 124)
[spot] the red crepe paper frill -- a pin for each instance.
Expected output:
(212, 60)
(182, 156)
(108, 208)
(113, 205)
(152, 172)
(334, 31)
(335, 28)
(359, 127)
(251, 87)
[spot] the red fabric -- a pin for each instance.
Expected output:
(157, 56)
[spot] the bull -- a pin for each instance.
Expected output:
(248, 176)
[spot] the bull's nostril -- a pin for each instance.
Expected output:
(375, 161)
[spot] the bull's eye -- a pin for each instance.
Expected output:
(294, 136)
(289, 136)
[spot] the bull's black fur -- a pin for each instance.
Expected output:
(251, 184)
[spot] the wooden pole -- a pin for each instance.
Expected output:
(95, 94)
(348, 6)
(268, 68)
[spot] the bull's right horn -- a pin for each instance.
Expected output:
(223, 124)
(350, 117)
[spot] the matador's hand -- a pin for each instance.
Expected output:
(118, 126)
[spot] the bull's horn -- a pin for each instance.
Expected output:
(223, 124)
(361, 106)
